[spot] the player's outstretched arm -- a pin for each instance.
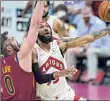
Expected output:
(44, 78)
(80, 41)
(31, 38)
(99, 34)
(27, 7)
(65, 73)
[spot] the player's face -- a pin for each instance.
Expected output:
(45, 34)
(13, 42)
(44, 28)
(46, 9)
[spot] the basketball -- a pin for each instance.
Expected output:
(104, 11)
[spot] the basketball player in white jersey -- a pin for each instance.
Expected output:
(57, 26)
(50, 59)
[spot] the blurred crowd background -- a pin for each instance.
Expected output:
(92, 60)
(80, 18)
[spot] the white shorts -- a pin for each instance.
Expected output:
(68, 95)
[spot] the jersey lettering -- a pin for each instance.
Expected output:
(52, 62)
(6, 69)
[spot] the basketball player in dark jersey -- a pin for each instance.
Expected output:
(12, 74)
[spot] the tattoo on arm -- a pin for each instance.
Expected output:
(79, 41)
(101, 33)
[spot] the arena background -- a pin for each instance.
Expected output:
(17, 25)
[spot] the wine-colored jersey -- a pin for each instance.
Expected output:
(16, 83)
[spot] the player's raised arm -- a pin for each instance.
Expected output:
(31, 38)
(27, 7)
(80, 41)
(60, 28)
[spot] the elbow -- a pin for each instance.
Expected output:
(39, 82)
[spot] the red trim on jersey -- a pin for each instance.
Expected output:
(76, 97)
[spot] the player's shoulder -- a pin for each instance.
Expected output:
(58, 23)
(34, 50)
(36, 46)
(6, 57)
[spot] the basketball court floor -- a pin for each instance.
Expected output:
(92, 92)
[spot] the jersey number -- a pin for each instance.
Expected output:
(9, 84)
(54, 82)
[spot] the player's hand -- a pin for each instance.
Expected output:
(71, 70)
(66, 72)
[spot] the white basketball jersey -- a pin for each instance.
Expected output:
(49, 63)
(50, 21)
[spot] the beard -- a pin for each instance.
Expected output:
(45, 39)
